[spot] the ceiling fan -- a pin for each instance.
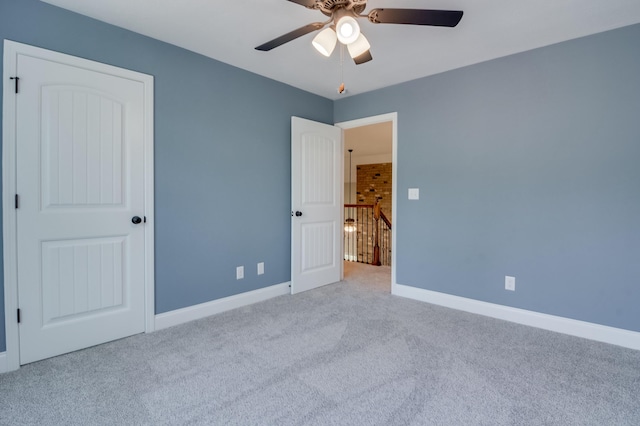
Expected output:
(343, 26)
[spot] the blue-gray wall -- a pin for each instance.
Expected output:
(222, 154)
(528, 166)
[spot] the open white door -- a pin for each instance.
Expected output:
(316, 204)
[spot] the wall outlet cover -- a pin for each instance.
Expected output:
(260, 268)
(240, 272)
(414, 193)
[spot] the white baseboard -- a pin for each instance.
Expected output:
(3, 363)
(587, 330)
(181, 316)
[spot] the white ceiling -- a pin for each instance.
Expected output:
(371, 144)
(374, 139)
(228, 31)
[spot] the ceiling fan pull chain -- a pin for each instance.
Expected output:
(341, 87)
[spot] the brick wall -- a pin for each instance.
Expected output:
(374, 182)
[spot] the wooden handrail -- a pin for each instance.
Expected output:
(371, 238)
(385, 219)
(370, 206)
(362, 206)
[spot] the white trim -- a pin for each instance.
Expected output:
(149, 203)
(3, 362)
(587, 330)
(383, 118)
(8, 212)
(11, 51)
(203, 310)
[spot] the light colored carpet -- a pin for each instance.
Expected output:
(345, 354)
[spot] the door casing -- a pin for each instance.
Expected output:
(11, 51)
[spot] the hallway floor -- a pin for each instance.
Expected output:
(372, 277)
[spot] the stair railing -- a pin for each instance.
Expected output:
(367, 234)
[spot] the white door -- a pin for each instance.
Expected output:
(316, 204)
(80, 182)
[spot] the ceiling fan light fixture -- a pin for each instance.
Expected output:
(325, 41)
(348, 29)
(359, 46)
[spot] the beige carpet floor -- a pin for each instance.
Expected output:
(344, 354)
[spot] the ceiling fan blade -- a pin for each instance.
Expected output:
(363, 58)
(439, 18)
(306, 3)
(290, 36)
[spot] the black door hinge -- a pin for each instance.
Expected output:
(16, 79)
(18, 316)
(145, 219)
(17, 201)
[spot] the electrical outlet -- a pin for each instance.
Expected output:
(239, 272)
(260, 268)
(510, 283)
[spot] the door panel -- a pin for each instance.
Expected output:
(316, 155)
(317, 246)
(80, 177)
(81, 277)
(82, 147)
(317, 172)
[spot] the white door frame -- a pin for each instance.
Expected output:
(11, 51)
(383, 118)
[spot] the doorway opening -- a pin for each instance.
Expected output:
(369, 200)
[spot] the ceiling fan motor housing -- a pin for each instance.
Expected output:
(329, 6)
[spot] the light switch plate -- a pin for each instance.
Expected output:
(510, 283)
(414, 193)
(260, 268)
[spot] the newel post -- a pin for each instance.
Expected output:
(376, 244)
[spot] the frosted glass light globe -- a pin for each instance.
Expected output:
(348, 30)
(325, 41)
